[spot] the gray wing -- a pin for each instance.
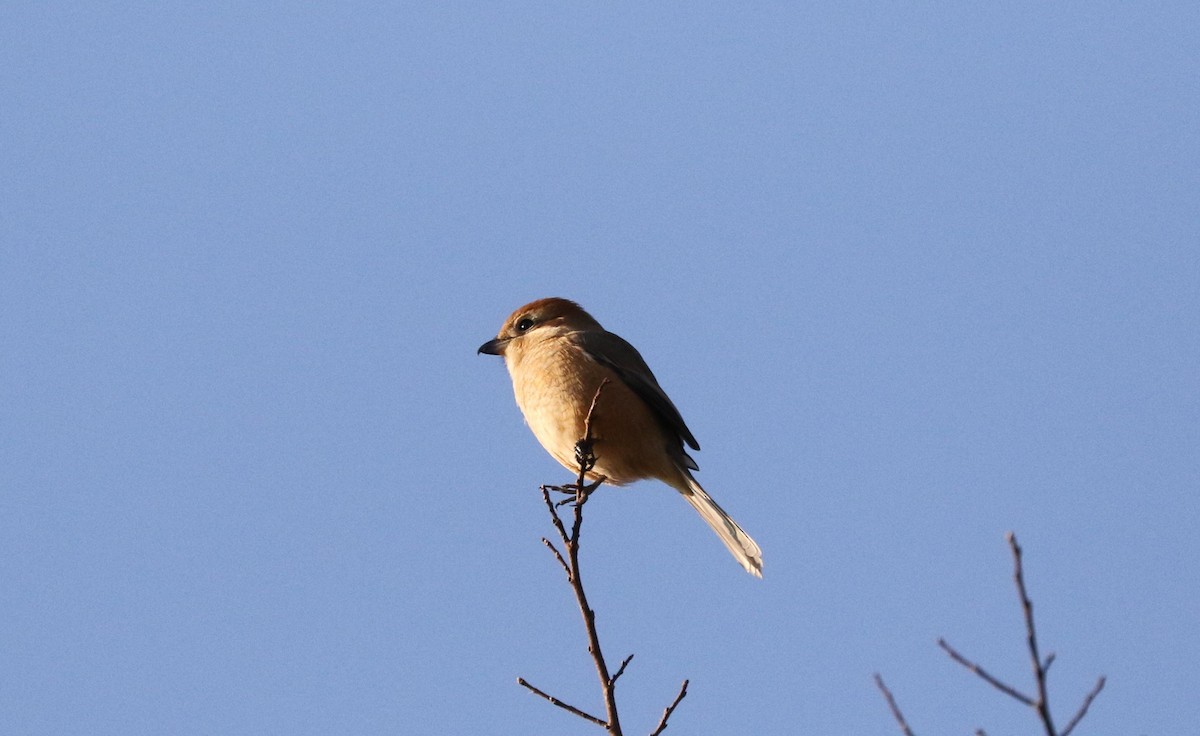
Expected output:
(612, 351)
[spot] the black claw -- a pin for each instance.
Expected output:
(584, 456)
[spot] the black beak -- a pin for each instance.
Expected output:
(493, 347)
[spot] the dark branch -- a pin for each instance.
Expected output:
(523, 683)
(587, 460)
(554, 549)
(1039, 671)
(1040, 666)
(1083, 709)
(620, 670)
(554, 518)
(1002, 687)
(662, 724)
(887, 695)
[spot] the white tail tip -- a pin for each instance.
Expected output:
(744, 549)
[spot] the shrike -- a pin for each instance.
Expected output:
(558, 355)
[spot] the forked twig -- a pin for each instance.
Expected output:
(1041, 703)
(581, 491)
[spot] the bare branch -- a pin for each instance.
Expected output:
(557, 556)
(662, 724)
(558, 524)
(988, 678)
(1083, 709)
(887, 695)
(586, 461)
(1039, 671)
(1041, 666)
(523, 683)
(620, 670)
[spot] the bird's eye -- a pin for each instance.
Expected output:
(524, 324)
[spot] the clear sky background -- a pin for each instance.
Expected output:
(916, 274)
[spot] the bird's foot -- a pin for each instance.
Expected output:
(585, 455)
(575, 493)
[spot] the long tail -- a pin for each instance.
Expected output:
(744, 549)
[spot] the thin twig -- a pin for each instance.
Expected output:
(558, 524)
(662, 724)
(974, 667)
(620, 670)
(558, 557)
(1040, 666)
(565, 706)
(1039, 672)
(1083, 709)
(587, 460)
(570, 564)
(891, 701)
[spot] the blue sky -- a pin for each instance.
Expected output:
(915, 274)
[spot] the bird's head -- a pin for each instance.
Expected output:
(540, 320)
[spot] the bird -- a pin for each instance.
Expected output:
(558, 356)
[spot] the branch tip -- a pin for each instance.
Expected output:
(891, 701)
